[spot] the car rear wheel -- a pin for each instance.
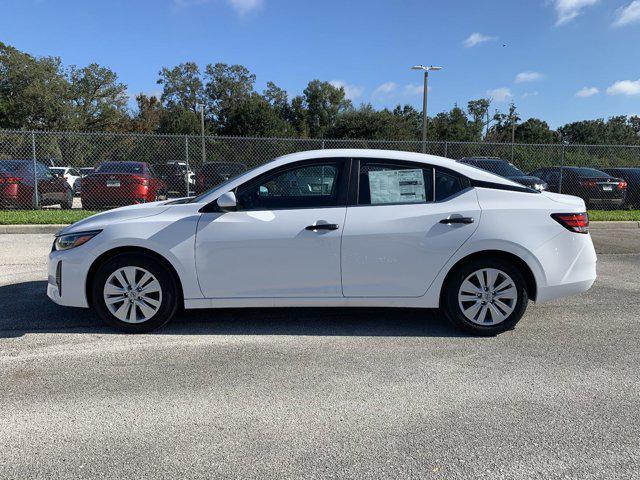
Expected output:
(485, 297)
(134, 293)
(67, 204)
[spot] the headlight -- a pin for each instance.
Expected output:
(73, 240)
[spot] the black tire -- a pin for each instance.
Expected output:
(67, 204)
(169, 302)
(452, 308)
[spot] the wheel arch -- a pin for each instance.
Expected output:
(132, 249)
(522, 265)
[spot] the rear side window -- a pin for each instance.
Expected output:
(382, 184)
(447, 185)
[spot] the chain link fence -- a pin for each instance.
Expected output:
(104, 170)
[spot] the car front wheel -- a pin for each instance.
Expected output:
(485, 297)
(134, 293)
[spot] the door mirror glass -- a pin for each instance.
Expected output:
(227, 202)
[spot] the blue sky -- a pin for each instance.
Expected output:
(559, 60)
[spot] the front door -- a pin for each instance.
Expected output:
(407, 223)
(284, 240)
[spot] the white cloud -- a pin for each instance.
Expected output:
(414, 90)
(500, 95)
(242, 7)
(529, 94)
(385, 89)
(624, 87)
(523, 77)
(245, 6)
(628, 14)
(587, 92)
(567, 10)
(476, 39)
(350, 91)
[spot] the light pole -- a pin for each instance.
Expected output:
(426, 70)
(204, 155)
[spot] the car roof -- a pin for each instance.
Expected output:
(484, 159)
(432, 160)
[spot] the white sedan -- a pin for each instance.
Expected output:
(332, 228)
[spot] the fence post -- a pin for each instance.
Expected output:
(186, 161)
(561, 168)
(512, 147)
(322, 144)
(36, 200)
(446, 149)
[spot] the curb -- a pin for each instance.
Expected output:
(24, 229)
(609, 224)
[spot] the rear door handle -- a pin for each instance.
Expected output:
(457, 220)
(323, 226)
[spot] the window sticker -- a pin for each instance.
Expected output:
(397, 186)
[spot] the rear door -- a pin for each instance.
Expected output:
(406, 221)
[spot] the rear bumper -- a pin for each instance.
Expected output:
(569, 262)
(605, 201)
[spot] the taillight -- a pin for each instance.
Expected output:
(622, 185)
(10, 180)
(589, 183)
(575, 222)
(140, 181)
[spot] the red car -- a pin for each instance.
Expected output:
(115, 184)
(17, 186)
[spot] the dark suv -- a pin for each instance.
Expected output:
(176, 177)
(505, 169)
(596, 188)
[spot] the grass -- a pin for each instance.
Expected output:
(614, 215)
(43, 217)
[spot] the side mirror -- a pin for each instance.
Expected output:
(227, 202)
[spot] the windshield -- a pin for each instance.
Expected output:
(16, 167)
(503, 169)
(120, 167)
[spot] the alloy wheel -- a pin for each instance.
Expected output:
(132, 294)
(487, 296)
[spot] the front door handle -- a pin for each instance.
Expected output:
(449, 221)
(323, 226)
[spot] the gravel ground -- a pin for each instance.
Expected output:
(318, 393)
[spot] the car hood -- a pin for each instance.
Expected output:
(101, 220)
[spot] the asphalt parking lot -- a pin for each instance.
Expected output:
(318, 393)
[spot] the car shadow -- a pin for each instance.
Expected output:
(26, 309)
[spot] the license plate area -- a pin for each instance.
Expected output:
(113, 183)
(607, 188)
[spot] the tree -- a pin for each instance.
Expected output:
(368, 123)
(181, 86)
(478, 110)
(254, 117)
(535, 130)
(453, 125)
(225, 85)
(34, 92)
(99, 101)
(323, 103)
(149, 116)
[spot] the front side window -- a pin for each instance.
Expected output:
(381, 184)
(309, 186)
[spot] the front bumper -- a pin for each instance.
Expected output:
(69, 289)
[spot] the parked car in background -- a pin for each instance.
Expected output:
(115, 184)
(70, 174)
(214, 173)
(595, 187)
(333, 228)
(177, 178)
(506, 170)
(631, 175)
(84, 171)
(18, 186)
